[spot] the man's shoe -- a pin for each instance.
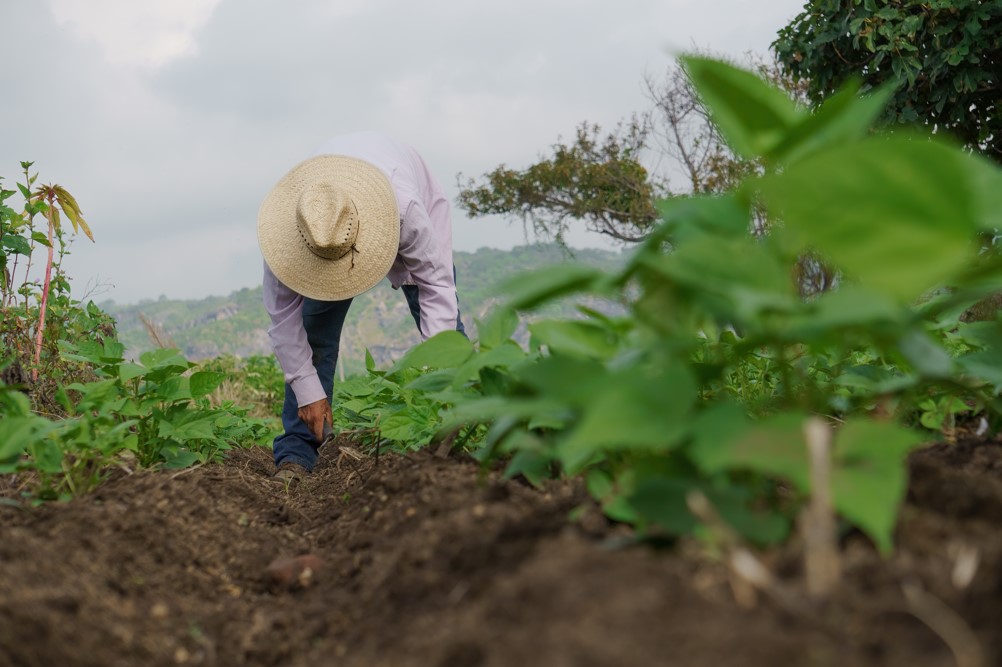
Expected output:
(290, 473)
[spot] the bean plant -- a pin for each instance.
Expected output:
(707, 382)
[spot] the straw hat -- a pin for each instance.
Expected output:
(329, 229)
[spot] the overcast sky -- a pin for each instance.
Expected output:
(169, 120)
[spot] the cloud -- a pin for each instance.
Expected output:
(169, 120)
(136, 34)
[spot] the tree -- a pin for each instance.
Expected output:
(945, 56)
(595, 179)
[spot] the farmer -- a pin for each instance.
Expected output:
(364, 207)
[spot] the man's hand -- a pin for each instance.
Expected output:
(314, 415)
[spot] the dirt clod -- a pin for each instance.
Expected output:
(290, 573)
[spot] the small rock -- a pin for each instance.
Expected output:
(291, 573)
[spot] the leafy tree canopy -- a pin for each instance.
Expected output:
(596, 179)
(944, 55)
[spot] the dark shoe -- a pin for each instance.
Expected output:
(290, 473)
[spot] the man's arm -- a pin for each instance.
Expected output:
(291, 347)
(426, 252)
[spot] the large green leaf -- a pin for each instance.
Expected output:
(447, 349)
(575, 337)
(203, 383)
(870, 476)
(687, 217)
(752, 115)
(176, 388)
(497, 327)
(985, 178)
(505, 355)
(774, 446)
(574, 380)
(847, 307)
(530, 289)
(633, 411)
(17, 433)
(926, 355)
(17, 244)
(709, 266)
(842, 118)
(895, 213)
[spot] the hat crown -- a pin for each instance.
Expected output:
(327, 219)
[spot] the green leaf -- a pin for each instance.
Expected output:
(164, 358)
(528, 290)
(46, 455)
(760, 528)
(774, 446)
(632, 412)
(370, 363)
(985, 179)
(433, 381)
(848, 306)
(843, 117)
(985, 365)
(870, 475)
(128, 371)
(687, 217)
(17, 433)
(505, 355)
(497, 328)
(203, 383)
(533, 465)
(573, 380)
(17, 244)
(400, 427)
(175, 388)
(576, 338)
(201, 427)
(707, 266)
(752, 115)
(925, 355)
(175, 458)
(447, 349)
(894, 213)
(663, 501)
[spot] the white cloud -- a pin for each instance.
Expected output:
(136, 34)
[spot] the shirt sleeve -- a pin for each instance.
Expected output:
(288, 339)
(426, 253)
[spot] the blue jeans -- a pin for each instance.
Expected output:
(323, 321)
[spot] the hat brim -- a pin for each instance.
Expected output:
(376, 246)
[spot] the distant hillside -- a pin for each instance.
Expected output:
(378, 320)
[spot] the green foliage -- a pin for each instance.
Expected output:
(594, 179)
(155, 412)
(943, 58)
(255, 381)
(71, 406)
(705, 384)
(35, 316)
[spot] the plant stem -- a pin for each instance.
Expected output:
(45, 295)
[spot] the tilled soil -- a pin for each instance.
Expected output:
(432, 561)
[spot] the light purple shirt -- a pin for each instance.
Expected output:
(424, 257)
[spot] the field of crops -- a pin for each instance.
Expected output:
(733, 470)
